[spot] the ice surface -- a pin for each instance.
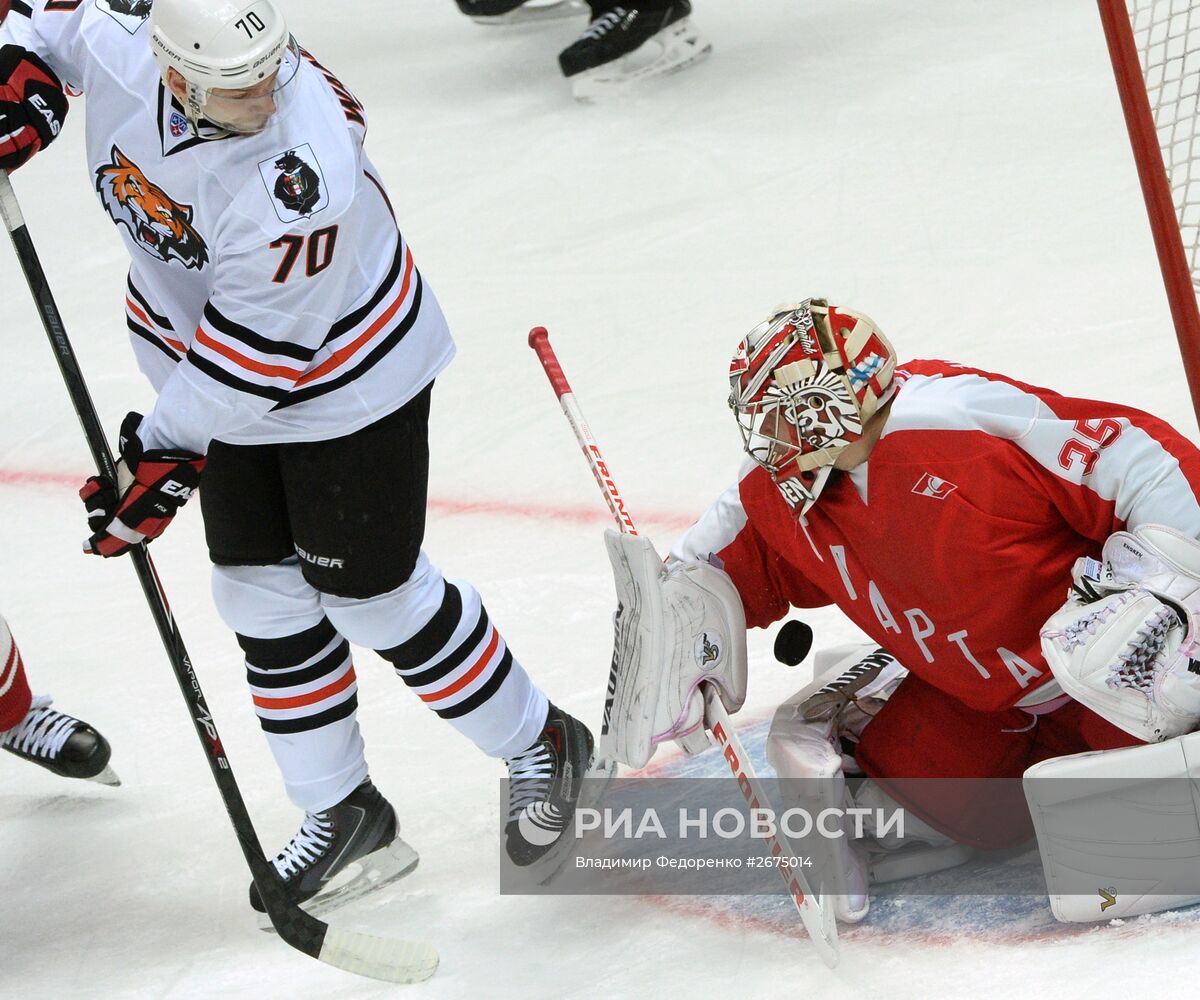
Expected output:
(959, 171)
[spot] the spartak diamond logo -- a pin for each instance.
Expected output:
(931, 486)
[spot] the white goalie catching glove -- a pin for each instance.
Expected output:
(676, 627)
(1125, 642)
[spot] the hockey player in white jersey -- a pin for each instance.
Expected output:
(275, 306)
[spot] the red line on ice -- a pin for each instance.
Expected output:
(565, 513)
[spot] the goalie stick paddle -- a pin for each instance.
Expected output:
(363, 954)
(817, 919)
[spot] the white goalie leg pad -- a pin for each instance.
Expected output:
(811, 778)
(1125, 642)
(892, 855)
(850, 682)
(849, 685)
(1118, 830)
(675, 627)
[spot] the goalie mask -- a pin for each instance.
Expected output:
(803, 385)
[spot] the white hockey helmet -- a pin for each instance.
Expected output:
(222, 45)
(803, 385)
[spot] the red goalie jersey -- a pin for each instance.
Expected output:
(954, 542)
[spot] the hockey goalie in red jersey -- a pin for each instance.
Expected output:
(948, 512)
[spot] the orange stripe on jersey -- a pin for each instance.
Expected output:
(134, 308)
(470, 675)
(137, 311)
(301, 700)
(270, 371)
(343, 354)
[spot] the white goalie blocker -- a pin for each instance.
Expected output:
(676, 627)
(1119, 830)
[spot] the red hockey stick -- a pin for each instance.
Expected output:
(818, 920)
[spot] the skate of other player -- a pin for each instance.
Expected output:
(278, 311)
(948, 511)
(622, 46)
(507, 13)
(34, 731)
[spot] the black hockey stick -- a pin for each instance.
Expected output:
(379, 958)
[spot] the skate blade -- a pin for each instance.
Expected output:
(670, 51)
(364, 876)
(106, 777)
(595, 785)
(535, 13)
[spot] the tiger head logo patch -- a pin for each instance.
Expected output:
(158, 224)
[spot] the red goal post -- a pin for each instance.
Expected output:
(1155, 51)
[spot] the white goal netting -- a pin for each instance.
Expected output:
(1167, 34)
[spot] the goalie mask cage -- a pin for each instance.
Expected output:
(1155, 51)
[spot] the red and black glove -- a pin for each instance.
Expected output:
(33, 106)
(151, 487)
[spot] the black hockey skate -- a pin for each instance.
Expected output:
(519, 11)
(61, 743)
(630, 42)
(545, 785)
(342, 853)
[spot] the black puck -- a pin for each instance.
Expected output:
(793, 642)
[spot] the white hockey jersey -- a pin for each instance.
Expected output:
(271, 296)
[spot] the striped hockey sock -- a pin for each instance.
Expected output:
(460, 666)
(306, 696)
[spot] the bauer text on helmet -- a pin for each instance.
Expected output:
(803, 385)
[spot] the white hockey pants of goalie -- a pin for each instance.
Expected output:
(487, 695)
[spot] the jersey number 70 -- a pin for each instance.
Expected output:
(320, 245)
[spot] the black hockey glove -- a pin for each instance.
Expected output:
(33, 106)
(151, 487)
